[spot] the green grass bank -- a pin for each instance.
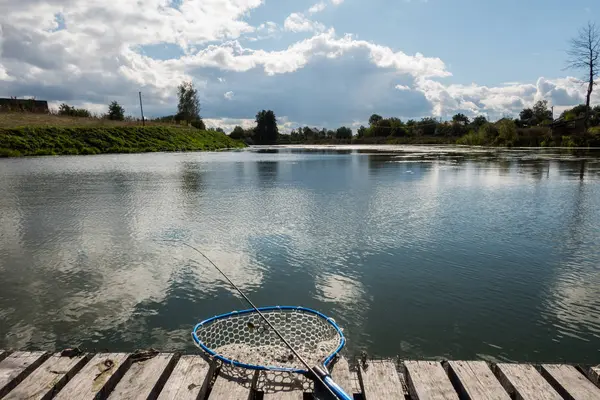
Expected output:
(57, 140)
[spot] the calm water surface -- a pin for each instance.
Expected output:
(415, 251)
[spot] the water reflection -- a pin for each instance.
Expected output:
(417, 251)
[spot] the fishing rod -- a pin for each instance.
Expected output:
(313, 370)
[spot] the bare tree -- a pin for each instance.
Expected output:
(584, 54)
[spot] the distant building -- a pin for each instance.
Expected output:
(31, 105)
(562, 127)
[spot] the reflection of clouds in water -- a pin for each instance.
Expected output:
(339, 289)
(575, 300)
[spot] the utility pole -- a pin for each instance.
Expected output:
(142, 110)
(552, 113)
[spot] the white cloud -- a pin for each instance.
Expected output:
(89, 62)
(317, 8)
(497, 101)
(337, 2)
(297, 22)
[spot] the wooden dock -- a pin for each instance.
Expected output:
(170, 376)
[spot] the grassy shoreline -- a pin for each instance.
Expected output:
(56, 140)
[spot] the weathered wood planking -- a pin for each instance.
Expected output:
(98, 376)
(569, 382)
(594, 375)
(188, 381)
(380, 381)
(341, 374)
(144, 378)
(524, 382)
(228, 387)
(474, 380)
(281, 385)
(48, 378)
(15, 367)
(428, 380)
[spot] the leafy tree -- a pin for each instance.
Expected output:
(507, 132)
(343, 133)
(374, 119)
(198, 124)
(382, 128)
(479, 121)
(427, 126)
(461, 118)
(584, 54)
(116, 112)
(237, 133)
(398, 129)
(526, 116)
(266, 130)
(410, 127)
(188, 108)
(361, 132)
(541, 112)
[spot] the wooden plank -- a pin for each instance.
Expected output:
(594, 374)
(48, 378)
(282, 385)
(15, 367)
(99, 376)
(569, 382)
(428, 380)
(188, 380)
(379, 380)
(524, 382)
(232, 383)
(474, 380)
(340, 373)
(144, 378)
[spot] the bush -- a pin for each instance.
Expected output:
(473, 138)
(507, 133)
(70, 111)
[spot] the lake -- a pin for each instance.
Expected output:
(421, 252)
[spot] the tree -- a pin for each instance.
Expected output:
(374, 119)
(343, 133)
(479, 121)
(461, 118)
(427, 126)
(188, 108)
(584, 54)
(361, 132)
(526, 116)
(237, 133)
(266, 130)
(116, 112)
(541, 112)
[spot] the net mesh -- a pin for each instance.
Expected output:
(247, 339)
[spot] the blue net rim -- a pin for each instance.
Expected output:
(209, 351)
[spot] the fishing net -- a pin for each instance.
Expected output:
(244, 339)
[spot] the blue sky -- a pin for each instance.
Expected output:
(477, 57)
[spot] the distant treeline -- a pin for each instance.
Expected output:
(534, 127)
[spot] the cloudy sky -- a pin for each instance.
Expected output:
(314, 62)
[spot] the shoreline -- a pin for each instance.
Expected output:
(48, 140)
